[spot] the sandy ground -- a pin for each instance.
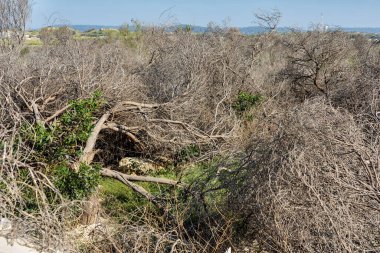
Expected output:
(15, 248)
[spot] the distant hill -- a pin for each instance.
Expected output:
(83, 28)
(245, 30)
(196, 29)
(371, 30)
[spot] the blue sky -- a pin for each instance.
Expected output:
(298, 13)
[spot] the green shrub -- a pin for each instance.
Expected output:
(60, 145)
(245, 101)
(76, 185)
(33, 42)
(65, 138)
(188, 153)
(24, 51)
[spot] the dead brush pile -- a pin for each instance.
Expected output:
(193, 104)
(312, 182)
(71, 111)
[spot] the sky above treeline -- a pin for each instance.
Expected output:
(236, 13)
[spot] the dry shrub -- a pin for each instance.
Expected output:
(317, 62)
(147, 235)
(193, 110)
(313, 182)
(310, 184)
(24, 189)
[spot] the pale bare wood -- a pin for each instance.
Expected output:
(134, 105)
(90, 144)
(116, 174)
(36, 112)
(124, 179)
(57, 113)
(114, 125)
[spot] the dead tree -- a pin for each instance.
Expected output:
(268, 20)
(13, 18)
(315, 65)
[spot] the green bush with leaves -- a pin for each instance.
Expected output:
(61, 143)
(76, 185)
(188, 153)
(246, 101)
(65, 138)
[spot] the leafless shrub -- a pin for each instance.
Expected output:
(13, 18)
(317, 62)
(313, 182)
(310, 183)
(38, 87)
(268, 20)
(149, 235)
(56, 35)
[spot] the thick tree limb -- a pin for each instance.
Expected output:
(116, 174)
(140, 105)
(125, 130)
(115, 126)
(88, 152)
(130, 105)
(57, 113)
(36, 112)
(124, 179)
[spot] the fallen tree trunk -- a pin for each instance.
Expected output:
(116, 175)
(88, 152)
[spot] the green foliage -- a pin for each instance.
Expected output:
(93, 33)
(60, 143)
(29, 197)
(132, 38)
(183, 28)
(188, 153)
(124, 29)
(64, 138)
(246, 101)
(120, 201)
(3, 187)
(111, 35)
(244, 104)
(179, 29)
(24, 51)
(33, 33)
(76, 185)
(33, 42)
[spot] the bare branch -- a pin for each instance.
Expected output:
(116, 174)
(57, 114)
(268, 20)
(88, 152)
